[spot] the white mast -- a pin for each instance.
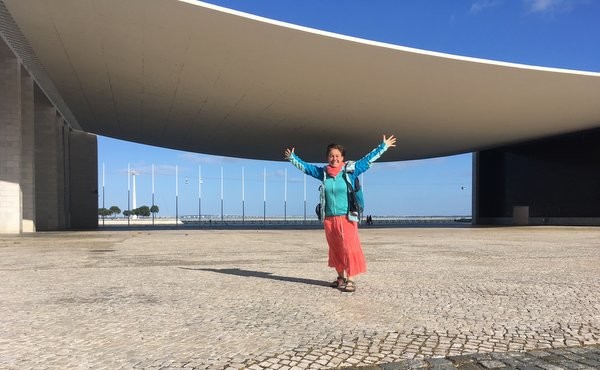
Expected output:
(134, 173)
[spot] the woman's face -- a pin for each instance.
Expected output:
(335, 158)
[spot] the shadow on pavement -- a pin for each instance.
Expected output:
(262, 275)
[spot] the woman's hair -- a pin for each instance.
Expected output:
(338, 147)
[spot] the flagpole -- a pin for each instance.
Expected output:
(285, 196)
(199, 194)
(305, 198)
(221, 193)
(243, 198)
(103, 206)
(176, 195)
(128, 195)
(152, 194)
(264, 195)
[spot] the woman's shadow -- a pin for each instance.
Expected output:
(262, 275)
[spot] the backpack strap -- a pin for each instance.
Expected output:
(353, 204)
(345, 176)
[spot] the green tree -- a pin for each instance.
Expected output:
(114, 211)
(154, 209)
(127, 213)
(143, 211)
(103, 212)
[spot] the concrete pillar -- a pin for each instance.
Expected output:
(60, 173)
(475, 189)
(83, 180)
(547, 181)
(38, 150)
(46, 163)
(27, 154)
(10, 142)
(66, 174)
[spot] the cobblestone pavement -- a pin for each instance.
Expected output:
(553, 359)
(441, 298)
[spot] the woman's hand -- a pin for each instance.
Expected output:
(288, 153)
(390, 141)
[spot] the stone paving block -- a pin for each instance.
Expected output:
(538, 353)
(417, 364)
(547, 366)
(590, 363)
(393, 366)
(553, 358)
(492, 364)
(194, 298)
(438, 362)
(592, 356)
(462, 359)
(573, 365)
(469, 366)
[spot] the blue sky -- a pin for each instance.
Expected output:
(549, 33)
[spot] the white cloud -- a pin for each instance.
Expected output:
(533, 6)
(480, 5)
(551, 6)
(538, 6)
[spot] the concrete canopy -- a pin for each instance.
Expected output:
(201, 78)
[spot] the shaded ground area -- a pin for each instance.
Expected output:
(587, 357)
(258, 299)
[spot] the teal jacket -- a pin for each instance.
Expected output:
(334, 191)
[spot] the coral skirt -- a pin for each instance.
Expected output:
(345, 251)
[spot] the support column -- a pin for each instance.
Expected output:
(551, 181)
(475, 190)
(66, 173)
(27, 154)
(46, 163)
(83, 180)
(61, 190)
(10, 142)
(38, 152)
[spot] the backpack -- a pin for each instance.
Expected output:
(356, 200)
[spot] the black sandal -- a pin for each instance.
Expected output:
(349, 287)
(339, 282)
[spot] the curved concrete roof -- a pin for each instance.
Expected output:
(201, 78)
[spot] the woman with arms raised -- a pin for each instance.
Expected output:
(341, 225)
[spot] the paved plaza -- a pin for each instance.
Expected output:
(440, 298)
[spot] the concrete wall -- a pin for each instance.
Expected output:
(27, 153)
(83, 180)
(551, 181)
(46, 163)
(10, 142)
(48, 172)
